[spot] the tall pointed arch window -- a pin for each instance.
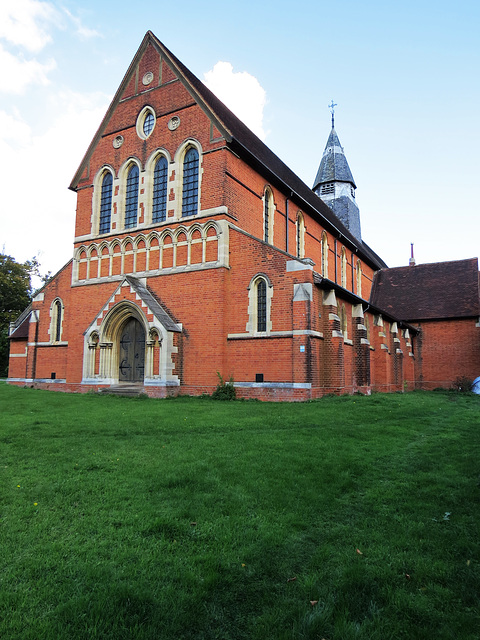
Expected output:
(190, 183)
(106, 203)
(343, 267)
(268, 210)
(160, 178)
(260, 294)
(56, 320)
(359, 278)
(300, 236)
(324, 255)
(261, 290)
(131, 199)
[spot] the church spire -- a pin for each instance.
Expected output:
(334, 182)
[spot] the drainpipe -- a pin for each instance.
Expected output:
(335, 250)
(286, 225)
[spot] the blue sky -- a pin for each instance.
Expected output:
(405, 77)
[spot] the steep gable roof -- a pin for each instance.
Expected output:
(429, 291)
(242, 141)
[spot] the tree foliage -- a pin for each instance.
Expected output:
(15, 295)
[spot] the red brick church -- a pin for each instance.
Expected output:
(197, 251)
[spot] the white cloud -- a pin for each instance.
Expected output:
(84, 32)
(24, 23)
(38, 210)
(241, 92)
(16, 73)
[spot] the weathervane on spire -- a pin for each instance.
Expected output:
(332, 106)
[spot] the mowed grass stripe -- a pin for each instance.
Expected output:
(189, 518)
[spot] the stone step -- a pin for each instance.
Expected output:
(128, 390)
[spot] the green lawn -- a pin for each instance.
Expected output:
(349, 517)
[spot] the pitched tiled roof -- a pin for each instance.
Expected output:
(243, 142)
(19, 328)
(249, 147)
(429, 291)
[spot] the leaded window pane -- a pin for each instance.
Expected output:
(106, 204)
(131, 200)
(148, 124)
(266, 216)
(160, 175)
(58, 324)
(261, 305)
(190, 183)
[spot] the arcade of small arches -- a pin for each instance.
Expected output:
(194, 247)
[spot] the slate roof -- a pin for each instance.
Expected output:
(153, 304)
(243, 142)
(333, 165)
(429, 291)
(20, 325)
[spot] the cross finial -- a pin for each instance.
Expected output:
(332, 106)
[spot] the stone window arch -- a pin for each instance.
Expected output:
(268, 215)
(131, 196)
(343, 267)
(190, 182)
(56, 320)
(146, 121)
(160, 189)
(260, 294)
(105, 203)
(324, 255)
(300, 235)
(359, 278)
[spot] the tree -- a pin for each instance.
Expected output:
(15, 295)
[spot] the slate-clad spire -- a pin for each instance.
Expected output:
(334, 184)
(333, 166)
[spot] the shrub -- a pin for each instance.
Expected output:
(462, 384)
(224, 390)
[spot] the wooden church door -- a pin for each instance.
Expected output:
(132, 352)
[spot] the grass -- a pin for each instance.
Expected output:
(350, 517)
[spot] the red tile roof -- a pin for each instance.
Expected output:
(428, 291)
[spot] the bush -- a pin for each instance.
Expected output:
(462, 384)
(224, 390)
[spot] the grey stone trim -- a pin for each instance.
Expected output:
(275, 334)
(43, 380)
(151, 382)
(300, 264)
(302, 292)
(273, 385)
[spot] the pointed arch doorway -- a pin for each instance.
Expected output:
(132, 352)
